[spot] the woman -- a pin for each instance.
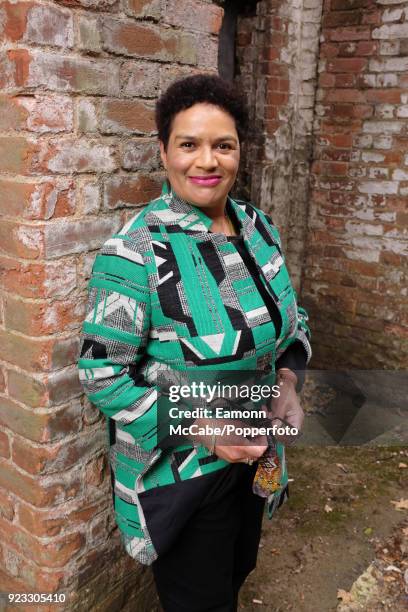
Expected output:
(193, 282)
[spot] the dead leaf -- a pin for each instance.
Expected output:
(402, 465)
(341, 466)
(402, 504)
(405, 531)
(368, 531)
(328, 508)
(392, 568)
(257, 601)
(345, 596)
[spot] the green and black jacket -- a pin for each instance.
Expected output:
(167, 293)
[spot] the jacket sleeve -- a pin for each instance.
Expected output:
(302, 335)
(113, 341)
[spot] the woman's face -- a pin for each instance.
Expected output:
(202, 156)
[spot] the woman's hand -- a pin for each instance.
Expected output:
(246, 452)
(286, 409)
(231, 447)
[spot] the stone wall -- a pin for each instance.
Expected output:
(77, 155)
(356, 275)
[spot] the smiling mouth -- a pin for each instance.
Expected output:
(208, 181)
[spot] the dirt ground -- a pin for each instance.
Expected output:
(339, 521)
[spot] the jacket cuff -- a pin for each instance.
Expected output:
(294, 358)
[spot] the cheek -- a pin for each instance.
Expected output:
(231, 164)
(178, 163)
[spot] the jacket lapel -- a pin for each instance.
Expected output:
(262, 246)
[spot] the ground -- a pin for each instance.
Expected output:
(338, 520)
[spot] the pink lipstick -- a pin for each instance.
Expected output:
(206, 181)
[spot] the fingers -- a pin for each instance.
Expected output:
(240, 454)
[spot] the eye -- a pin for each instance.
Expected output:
(225, 146)
(187, 145)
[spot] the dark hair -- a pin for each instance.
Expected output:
(199, 88)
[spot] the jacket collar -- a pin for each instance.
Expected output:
(193, 218)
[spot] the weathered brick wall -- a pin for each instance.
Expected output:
(277, 60)
(355, 281)
(77, 154)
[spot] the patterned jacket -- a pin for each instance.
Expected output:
(167, 293)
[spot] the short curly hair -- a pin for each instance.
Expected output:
(196, 89)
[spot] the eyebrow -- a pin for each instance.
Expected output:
(187, 137)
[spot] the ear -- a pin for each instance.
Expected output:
(163, 154)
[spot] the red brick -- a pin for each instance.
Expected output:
(347, 64)
(334, 168)
(97, 470)
(36, 280)
(191, 15)
(344, 80)
(344, 5)
(130, 191)
(384, 96)
(37, 426)
(352, 110)
(140, 79)
(372, 17)
(15, 19)
(344, 95)
(326, 80)
(45, 459)
(269, 54)
(141, 154)
(7, 505)
(277, 98)
(64, 73)
(21, 240)
(17, 154)
(143, 8)
(51, 522)
(127, 117)
(37, 355)
(13, 116)
(350, 33)
(78, 155)
(42, 318)
(78, 235)
(39, 492)
(329, 50)
(4, 445)
(341, 19)
(33, 200)
(101, 5)
(29, 390)
(32, 22)
(47, 113)
(40, 523)
(271, 112)
(361, 48)
(11, 584)
(126, 37)
(335, 154)
(55, 553)
(335, 140)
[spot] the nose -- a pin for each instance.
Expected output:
(207, 158)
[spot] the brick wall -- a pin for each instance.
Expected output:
(277, 63)
(355, 281)
(77, 155)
